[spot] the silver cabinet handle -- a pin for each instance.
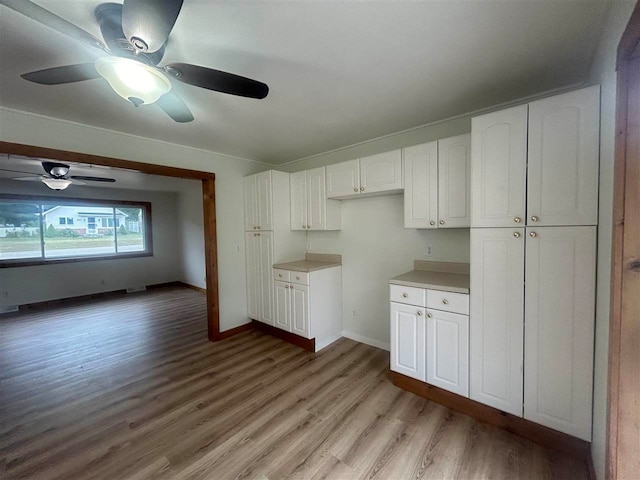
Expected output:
(362, 189)
(405, 295)
(534, 218)
(516, 234)
(445, 301)
(419, 313)
(297, 278)
(308, 226)
(533, 234)
(517, 219)
(432, 222)
(355, 189)
(429, 315)
(280, 275)
(441, 222)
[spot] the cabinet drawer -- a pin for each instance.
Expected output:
(299, 277)
(448, 301)
(408, 295)
(281, 275)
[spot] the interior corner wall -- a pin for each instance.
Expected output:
(373, 242)
(30, 129)
(603, 73)
(191, 226)
(38, 283)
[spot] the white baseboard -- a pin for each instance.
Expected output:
(325, 342)
(366, 340)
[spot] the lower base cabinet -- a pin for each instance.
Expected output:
(309, 304)
(428, 344)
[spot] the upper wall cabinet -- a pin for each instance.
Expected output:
(499, 153)
(562, 172)
(436, 183)
(258, 202)
(310, 209)
(551, 179)
(373, 174)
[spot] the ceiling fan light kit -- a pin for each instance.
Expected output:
(135, 35)
(56, 183)
(132, 80)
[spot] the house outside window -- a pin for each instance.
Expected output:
(40, 230)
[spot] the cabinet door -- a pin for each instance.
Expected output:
(559, 328)
(381, 172)
(421, 186)
(252, 249)
(408, 337)
(281, 306)
(498, 162)
(299, 306)
(316, 199)
(266, 277)
(497, 317)
(250, 188)
(448, 351)
(454, 182)
(343, 179)
(562, 179)
(298, 186)
(265, 201)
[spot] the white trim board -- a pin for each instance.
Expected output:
(366, 340)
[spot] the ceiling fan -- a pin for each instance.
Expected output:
(57, 176)
(135, 35)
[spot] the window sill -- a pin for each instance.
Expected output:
(36, 262)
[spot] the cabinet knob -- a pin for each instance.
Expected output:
(257, 234)
(533, 234)
(517, 219)
(280, 275)
(419, 313)
(308, 226)
(429, 315)
(304, 226)
(516, 234)
(355, 189)
(445, 301)
(297, 278)
(432, 222)
(441, 222)
(362, 189)
(534, 218)
(405, 295)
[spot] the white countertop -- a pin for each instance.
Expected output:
(448, 277)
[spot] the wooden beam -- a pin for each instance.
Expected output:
(66, 156)
(211, 257)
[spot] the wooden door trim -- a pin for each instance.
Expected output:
(623, 412)
(209, 211)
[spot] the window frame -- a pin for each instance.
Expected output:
(71, 201)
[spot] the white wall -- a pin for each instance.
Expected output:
(22, 285)
(20, 127)
(603, 72)
(191, 225)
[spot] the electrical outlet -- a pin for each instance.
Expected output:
(429, 251)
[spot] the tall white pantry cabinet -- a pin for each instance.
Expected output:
(268, 239)
(533, 259)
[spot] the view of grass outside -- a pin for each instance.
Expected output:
(69, 231)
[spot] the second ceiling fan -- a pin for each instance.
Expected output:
(135, 34)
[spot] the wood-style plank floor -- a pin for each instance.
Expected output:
(128, 387)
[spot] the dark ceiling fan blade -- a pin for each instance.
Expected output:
(216, 80)
(51, 20)
(17, 171)
(147, 23)
(175, 107)
(92, 179)
(61, 75)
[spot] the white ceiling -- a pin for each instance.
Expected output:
(12, 165)
(339, 72)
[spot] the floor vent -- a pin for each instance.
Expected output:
(8, 308)
(141, 288)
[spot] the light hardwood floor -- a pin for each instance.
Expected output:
(129, 387)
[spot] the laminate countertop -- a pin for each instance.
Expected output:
(311, 262)
(447, 277)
